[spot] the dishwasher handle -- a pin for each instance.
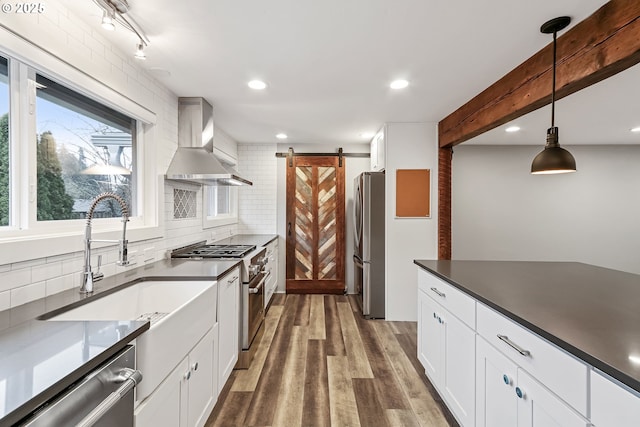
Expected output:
(129, 379)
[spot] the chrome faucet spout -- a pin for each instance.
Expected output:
(88, 276)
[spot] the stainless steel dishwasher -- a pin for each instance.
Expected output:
(102, 398)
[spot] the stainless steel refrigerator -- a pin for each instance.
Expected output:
(368, 257)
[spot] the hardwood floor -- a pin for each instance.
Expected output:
(321, 364)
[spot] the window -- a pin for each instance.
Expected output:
(83, 149)
(4, 142)
(219, 201)
(65, 137)
(220, 204)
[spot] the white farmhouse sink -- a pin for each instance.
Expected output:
(181, 313)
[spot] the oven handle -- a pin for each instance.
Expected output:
(260, 284)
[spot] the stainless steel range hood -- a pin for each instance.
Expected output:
(194, 161)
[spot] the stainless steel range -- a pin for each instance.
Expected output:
(253, 278)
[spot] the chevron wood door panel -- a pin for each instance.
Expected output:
(315, 225)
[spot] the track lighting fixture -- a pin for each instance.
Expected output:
(108, 20)
(140, 51)
(118, 11)
(553, 159)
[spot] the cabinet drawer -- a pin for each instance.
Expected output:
(558, 370)
(611, 404)
(457, 302)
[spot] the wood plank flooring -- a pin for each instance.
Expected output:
(321, 364)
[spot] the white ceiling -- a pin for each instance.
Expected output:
(328, 63)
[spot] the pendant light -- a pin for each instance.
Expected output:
(553, 159)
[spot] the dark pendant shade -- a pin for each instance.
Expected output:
(553, 159)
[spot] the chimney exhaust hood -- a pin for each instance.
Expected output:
(194, 161)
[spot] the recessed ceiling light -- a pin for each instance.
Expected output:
(399, 84)
(367, 135)
(512, 129)
(636, 129)
(281, 136)
(634, 358)
(257, 84)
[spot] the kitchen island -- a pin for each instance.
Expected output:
(39, 358)
(588, 318)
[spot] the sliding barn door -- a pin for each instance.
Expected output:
(315, 225)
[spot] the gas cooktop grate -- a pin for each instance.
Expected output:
(216, 251)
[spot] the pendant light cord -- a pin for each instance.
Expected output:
(553, 90)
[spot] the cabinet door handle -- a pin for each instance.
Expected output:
(289, 229)
(440, 294)
(519, 393)
(506, 379)
(233, 279)
(187, 375)
(513, 345)
(195, 366)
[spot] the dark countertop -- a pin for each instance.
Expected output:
(39, 359)
(591, 312)
(248, 239)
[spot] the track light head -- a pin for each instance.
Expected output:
(140, 51)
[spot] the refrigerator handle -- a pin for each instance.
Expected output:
(358, 261)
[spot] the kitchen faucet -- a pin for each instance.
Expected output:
(88, 276)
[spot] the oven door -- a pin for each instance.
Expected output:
(255, 308)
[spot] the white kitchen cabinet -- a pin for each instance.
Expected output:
(202, 381)
(429, 336)
(538, 407)
(228, 324)
(446, 347)
(166, 406)
(378, 152)
(496, 399)
(507, 396)
(186, 397)
(272, 267)
(612, 404)
(559, 371)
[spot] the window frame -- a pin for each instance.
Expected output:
(221, 219)
(26, 238)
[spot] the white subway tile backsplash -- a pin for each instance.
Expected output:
(62, 283)
(257, 207)
(43, 272)
(72, 265)
(5, 300)
(116, 61)
(14, 279)
(28, 293)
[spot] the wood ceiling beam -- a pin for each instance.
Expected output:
(598, 47)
